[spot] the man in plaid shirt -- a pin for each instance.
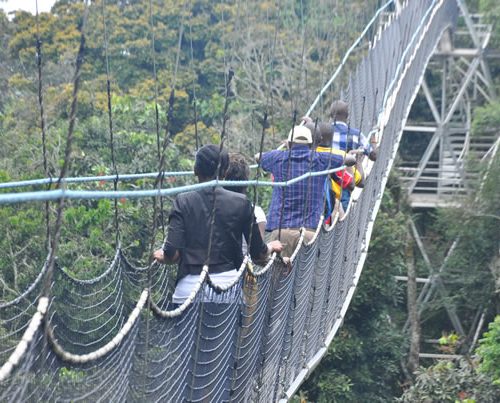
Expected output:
(303, 201)
(348, 138)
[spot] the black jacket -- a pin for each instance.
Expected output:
(189, 231)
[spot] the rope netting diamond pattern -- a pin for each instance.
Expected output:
(112, 338)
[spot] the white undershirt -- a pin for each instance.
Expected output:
(260, 216)
(187, 283)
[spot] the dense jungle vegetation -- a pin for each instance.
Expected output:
(281, 54)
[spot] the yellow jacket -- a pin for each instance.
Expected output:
(336, 188)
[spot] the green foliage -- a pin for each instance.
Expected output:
(491, 10)
(486, 117)
(23, 246)
(470, 275)
(186, 140)
(470, 279)
(489, 351)
(212, 109)
(69, 375)
(449, 381)
(449, 342)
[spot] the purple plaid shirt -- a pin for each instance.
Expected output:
(304, 199)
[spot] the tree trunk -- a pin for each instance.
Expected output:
(413, 315)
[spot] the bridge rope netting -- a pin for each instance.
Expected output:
(118, 336)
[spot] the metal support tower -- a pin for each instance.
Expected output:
(456, 80)
(434, 284)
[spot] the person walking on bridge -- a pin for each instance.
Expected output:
(350, 139)
(347, 138)
(189, 229)
(299, 205)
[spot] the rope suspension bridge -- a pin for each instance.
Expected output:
(118, 337)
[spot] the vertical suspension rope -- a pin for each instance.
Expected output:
(303, 69)
(271, 58)
(287, 177)
(311, 158)
(153, 232)
(257, 177)
(161, 148)
(269, 105)
(225, 118)
(48, 238)
(294, 105)
(155, 78)
(67, 153)
(293, 97)
(228, 77)
(170, 109)
(349, 138)
(362, 116)
(110, 124)
(328, 179)
(374, 117)
(42, 123)
(195, 110)
(227, 81)
(157, 121)
(359, 138)
(166, 139)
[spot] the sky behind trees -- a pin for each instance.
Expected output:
(27, 5)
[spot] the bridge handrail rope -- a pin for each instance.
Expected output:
(416, 35)
(25, 341)
(42, 119)
(315, 236)
(110, 122)
(114, 263)
(96, 178)
(218, 288)
(362, 212)
(108, 347)
(28, 290)
(189, 300)
(204, 277)
(99, 178)
(22, 197)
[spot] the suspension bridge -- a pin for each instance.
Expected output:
(117, 336)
